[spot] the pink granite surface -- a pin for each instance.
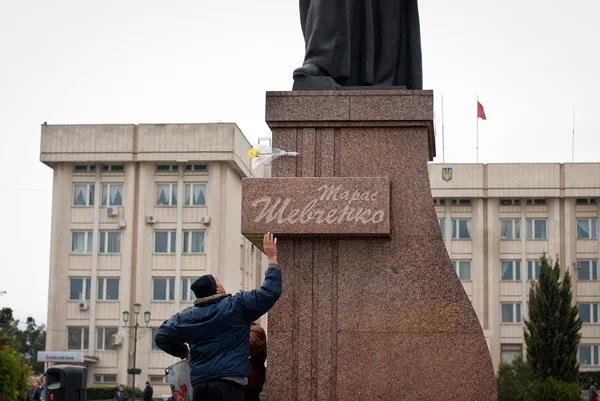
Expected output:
(370, 318)
(316, 205)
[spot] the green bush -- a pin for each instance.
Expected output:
(14, 374)
(555, 390)
(586, 378)
(108, 392)
(515, 381)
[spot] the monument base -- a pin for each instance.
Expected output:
(310, 83)
(369, 318)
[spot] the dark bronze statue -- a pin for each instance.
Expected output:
(360, 43)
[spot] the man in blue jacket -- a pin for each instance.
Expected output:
(217, 330)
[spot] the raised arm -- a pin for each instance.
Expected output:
(258, 302)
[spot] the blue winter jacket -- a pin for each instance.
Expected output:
(217, 330)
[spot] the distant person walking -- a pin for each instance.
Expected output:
(121, 395)
(43, 389)
(32, 393)
(593, 391)
(258, 356)
(148, 391)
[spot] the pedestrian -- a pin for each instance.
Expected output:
(217, 329)
(121, 394)
(258, 356)
(32, 393)
(148, 391)
(593, 391)
(43, 389)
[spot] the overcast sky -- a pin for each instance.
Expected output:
(86, 62)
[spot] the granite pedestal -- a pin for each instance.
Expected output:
(371, 308)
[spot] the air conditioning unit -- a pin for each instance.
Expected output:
(112, 211)
(83, 305)
(205, 220)
(122, 223)
(150, 219)
(116, 339)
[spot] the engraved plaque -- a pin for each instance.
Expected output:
(341, 206)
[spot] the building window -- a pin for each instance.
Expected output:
(536, 229)
(153, 346)
(85, 168)
(105, 379)
(113, 167)
(510, 229)
(588, 355)
(186, 292)
(586, 229)
(108, 289)
(193, 241)
(110, 242)
(195, 194)
(162, 379)
(196, 167)
(443, 227)
(82, 241)
(587, 270)
(586, 201)
(79, 289)
(511, 270)
(510, 202)
(537, 202)
(163, 289)
(588, 313)
(165, 242)
(112, 195)
(439, 202)
(461, 229)
(533, 269)
(167, 167)
(463, 269)
(77, 338)
(511, 351)
(83, 194)
(104, 339)
(511, 313)
(166, 194)
(461, 202)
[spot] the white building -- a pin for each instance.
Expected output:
(138, 213)
(498, 219)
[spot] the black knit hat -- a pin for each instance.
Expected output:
(204, 286)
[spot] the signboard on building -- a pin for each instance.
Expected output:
(60, 356)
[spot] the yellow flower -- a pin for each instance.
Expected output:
(254, 153)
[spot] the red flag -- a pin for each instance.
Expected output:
(480, 112)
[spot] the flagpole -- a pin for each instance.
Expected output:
(573, 145)
(477, 135)
(443, 145)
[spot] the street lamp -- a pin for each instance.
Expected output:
(136, 310)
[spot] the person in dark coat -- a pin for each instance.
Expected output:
(121, 395)
(217, 329)
(32, 393)
(42, 389)
(258, 356)
(148, 391)
(362, 42)
(593, 391)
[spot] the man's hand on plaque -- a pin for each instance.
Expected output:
(270, 247)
